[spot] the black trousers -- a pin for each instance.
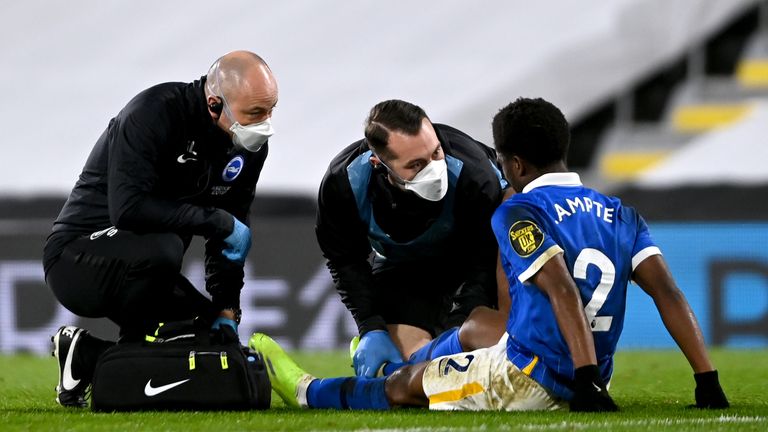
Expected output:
(419, 294)
(132, 279)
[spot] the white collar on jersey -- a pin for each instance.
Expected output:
(554, 179)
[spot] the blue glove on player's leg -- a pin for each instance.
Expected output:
(239, 242)
(375, 349)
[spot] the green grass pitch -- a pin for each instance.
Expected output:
(653, 389)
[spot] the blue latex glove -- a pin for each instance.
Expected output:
(375, 349)
(220, 321)
(239, 242)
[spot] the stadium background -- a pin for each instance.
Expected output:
(668, 101)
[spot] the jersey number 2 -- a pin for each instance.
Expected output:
(607, 276)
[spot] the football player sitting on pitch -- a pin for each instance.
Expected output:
(569, 253)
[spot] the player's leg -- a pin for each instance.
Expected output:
(297, 388)
(483, 379)
(482, 329)
(404, 386)
(408, 338)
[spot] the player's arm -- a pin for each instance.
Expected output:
(502, 283)
(653, 276)
(590, 392)
(502, 288)
(555, 281)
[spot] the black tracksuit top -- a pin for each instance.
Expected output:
(162, 165)
(343, 236)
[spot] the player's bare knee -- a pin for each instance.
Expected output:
(404, 388)
(482, 328)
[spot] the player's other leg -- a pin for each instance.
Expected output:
(297, 388)
(76, 353)
(482, 329)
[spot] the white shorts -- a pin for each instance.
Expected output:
(484, 380)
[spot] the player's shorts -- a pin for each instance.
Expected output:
(484, 380)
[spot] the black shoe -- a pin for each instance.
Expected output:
(71, 391)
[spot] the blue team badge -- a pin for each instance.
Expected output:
(525, 237)
(233, 169)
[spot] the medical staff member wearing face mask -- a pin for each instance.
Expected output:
(179, 160)
(417, 197)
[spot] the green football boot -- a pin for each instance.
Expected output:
(288, 380)
(352, 348)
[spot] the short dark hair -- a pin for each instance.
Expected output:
(391, 116)
(534, 130)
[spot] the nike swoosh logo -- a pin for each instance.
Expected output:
(182, 159)
(597, 387)
(154, 391)
(68, 382)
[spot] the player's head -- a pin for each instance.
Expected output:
(241, 93)
(531, 137)
(401, 137)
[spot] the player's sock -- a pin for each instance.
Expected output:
(348, 393)
(445, 344)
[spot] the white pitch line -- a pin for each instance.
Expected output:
(648, 422)
(568, 425)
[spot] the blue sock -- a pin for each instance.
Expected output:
(347, 393)
(445, 344)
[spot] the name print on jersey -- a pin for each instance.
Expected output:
(584, 205)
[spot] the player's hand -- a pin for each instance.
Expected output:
(590, 393)
(238, 242)
(708, 392)
(375, 349)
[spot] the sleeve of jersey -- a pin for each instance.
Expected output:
(522, 240)
(135, 149)
(644, 246)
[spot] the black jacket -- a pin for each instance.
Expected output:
(343, 236)
(160, 167)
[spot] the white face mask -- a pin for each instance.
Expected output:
(431, 183)
(252, 136)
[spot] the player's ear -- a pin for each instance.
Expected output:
(518, 166)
